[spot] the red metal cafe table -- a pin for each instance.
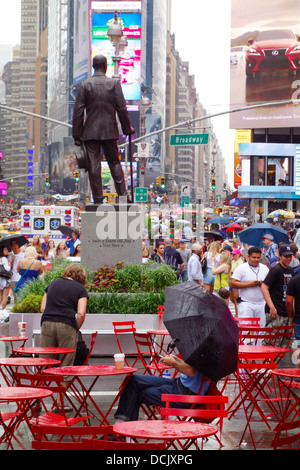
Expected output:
(164, 430)
(158, 345)
(54, 352)
(26, 398)
(255, 393)
(80, 395)
(13, 339)
(10, 365)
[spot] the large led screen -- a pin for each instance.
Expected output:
(130, 65)
(264, 63)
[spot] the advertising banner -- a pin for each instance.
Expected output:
(264, 63)
(81, 41)
(130, 64)
(241, 135)
(274, 170)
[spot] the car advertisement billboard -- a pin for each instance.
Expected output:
(130, 64)
(264, 63)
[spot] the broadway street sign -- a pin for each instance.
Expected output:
(189, 139)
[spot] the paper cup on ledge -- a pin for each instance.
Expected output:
(119, 361)
(22, 328)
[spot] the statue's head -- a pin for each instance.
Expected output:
(100, 63)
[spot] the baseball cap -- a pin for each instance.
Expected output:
(268, 236)
(195, 247)
(236, 251)
(227, 247)
(285, 250)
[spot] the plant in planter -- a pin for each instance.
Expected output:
(124, 288)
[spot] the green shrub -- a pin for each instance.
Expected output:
(142, 303)
(142, 286)
(31, 304)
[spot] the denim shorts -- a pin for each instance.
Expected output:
(209, 278)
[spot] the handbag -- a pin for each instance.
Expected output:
(223, 292)
(4, 273)
(204, 265)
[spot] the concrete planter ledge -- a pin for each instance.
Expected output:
(106, 343)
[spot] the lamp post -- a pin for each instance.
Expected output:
(145, 104)
(115, 34)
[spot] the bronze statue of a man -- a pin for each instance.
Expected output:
(98, 100)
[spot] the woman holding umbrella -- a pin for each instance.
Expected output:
(4, 281)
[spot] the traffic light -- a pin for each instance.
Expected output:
(47, 180)
(158, 179)
(162, 182)
(213, 183)
(76, 175)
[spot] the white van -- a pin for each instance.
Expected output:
(41, 220)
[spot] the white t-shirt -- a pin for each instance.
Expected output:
(208, 256)
(247, 273)
(16, 276)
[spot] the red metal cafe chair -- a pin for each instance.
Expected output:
(282, 336)
(255, 337)
(247, 320)
(203, 408)
(145, 350)
(121, 328)
(6, 421)
(288, 442)
(254, 397)
(51, 437)
(93, 340)
(55, 413)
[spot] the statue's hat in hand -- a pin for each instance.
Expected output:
(82, 157)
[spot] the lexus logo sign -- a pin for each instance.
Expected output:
(274, 52)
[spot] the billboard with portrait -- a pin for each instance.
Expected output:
(264, 63)
(130, 64)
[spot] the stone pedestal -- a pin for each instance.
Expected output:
(110, 234)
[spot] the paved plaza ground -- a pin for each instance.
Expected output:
(232, 429)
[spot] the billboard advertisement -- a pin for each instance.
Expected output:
(241, 135)
(81, 64)
(130, 64)
(273, 170)
(3, 189)
(264, 63)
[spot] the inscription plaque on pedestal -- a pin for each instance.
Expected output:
(111, 234)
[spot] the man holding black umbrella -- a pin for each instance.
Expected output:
(147, 389)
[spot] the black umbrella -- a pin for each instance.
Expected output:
(7, 240)
(203, 329)
(67, 230)
(213, 234)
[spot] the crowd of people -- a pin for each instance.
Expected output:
(256, 280)
(32, 260)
